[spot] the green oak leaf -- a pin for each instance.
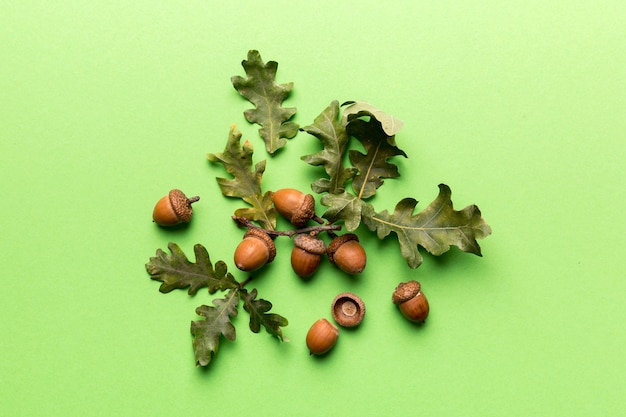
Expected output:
(246, 182)
(259, 316)
(435, 228)
(216, 323)
(328, 128)
(260, 88)
(344, 206)
(175, 271)
(373, 165)
(390, 125)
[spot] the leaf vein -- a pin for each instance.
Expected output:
(368, 171)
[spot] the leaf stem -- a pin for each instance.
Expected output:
(243, 283)
(243, 222)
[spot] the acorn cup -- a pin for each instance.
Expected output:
(348, 309)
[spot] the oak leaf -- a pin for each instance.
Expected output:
(260, 88)
(175, 271)
(435, 228)
(329, 129)
(379, 147)
(344, 206)
(246, 181)
(216, 323)
(259, 316)
(390, 124)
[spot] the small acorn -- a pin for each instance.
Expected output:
(411, 301)
(306, 254)
(321, 337)
(294, 205)
(173, 209)
(347, 254)
(255, 250)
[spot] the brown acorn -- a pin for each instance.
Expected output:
(294, 205)
(321, 337)
(173, 209)
(411, 301)
(306, 254)
(255, 250)
(346, 252)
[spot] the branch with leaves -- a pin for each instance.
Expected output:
(312, 230)
(435, 229)
(176, 271)
(352, 177)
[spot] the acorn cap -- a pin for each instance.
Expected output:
(405, 291)
(181, 205)
(348, 309)
(305, 212)
(337, 242)
(260, 234)
(310, 243)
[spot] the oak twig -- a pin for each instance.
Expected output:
(243, 222)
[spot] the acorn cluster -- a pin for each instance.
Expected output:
(348, 310)
(258, 249)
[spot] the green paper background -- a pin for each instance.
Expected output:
(518, 106)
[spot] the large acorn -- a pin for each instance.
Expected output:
(411, 301)
(306, 254)
(294, 205)
(321, 337)
(346, 252)
(255, 250)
